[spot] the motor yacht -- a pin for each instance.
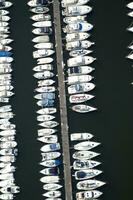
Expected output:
(45, 45)
(80, 60)
(80, 136)
(85, 164)
(75, 19)
(47, 60)
(46, 82)
(51, 171)
(39, 10)
(42, 118)
(46, 131)
(49, 156)
(50, 179)
(41, 39)
(50, 163)
(43, 75)
(41, 17)
(130, 5)
(77, 27)
(45, 67)
(42, 24)
(87, 145)
(42, 31)
(71, 37)
(79, 79)
(47, 111)
(45, 89)
(77, 44)
(88, 195)
(80, 98)
(74, 71)
(42, 53)
(80, 88)
(49, 124)
(76, 10)
(66, 3)
(52, 194)
(82, 108)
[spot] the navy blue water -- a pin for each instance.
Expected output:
(112, 125)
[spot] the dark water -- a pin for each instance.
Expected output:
(112, 125)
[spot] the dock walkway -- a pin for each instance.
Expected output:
(63, 106)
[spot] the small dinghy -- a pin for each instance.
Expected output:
(75, 19)
(80, 136)
(80, 60)
(4, 12)
(52, 186)
(42, 31)
(7, 132)
(49, 124)
(41, 39)
(80, 52)
(51, 171)
(46, 82)
(10, 189)
(42, 24)
(52, 194)
(42, 53)
(74, 71)
(44, 95)
(47, 60)
(39, 10)
(45, 89)
(80, 98)
(46, 131)
(50, 163)
(80, 88)
(48, 139)
(47, 111)
(77, 27)
(45, 45)
(5, 4)
(50, 147)
(89, 184)
(49, 156)
(79, 79)
(130, 14)
(83, 108)
(88, 195)
(76, 10)
(71, 37)
(130, 5)
(41, 17)
(42, 118)
(85, 164)
(87, 174)
(6, 59)
(84, 155)
(87, 145)
(43, 75)
(7, 196)
(41, 68)
(50, 179)
(77, 44)
(66, 3)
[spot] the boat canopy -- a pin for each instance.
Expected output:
(47, 102)
(73, 70)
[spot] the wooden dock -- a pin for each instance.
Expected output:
(63, 106)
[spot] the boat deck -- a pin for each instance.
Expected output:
(63, 108)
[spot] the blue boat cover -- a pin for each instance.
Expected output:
(42, 2)
(81, 174)
(48, 95)
(47, 102)
(5, 53)
(74, 70)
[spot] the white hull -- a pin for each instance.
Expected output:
(85, 44)
(83, 108)
(79, 60)
(71, 37)
(88, 195)
(80, 98)
(4, 12)
(48, 139)
(46, 45)
(65, 3)
(50, 147)
(75, 71)
(38, 31)
(43, 75)
(80, 136)
(130, 5)
(7, 132)
(80, 52)
(7, 4)
(87, 174)
(79, 18)
(49, 124)
(52, 194)
(42, 24)
(41, 39)
(42, 118)
(39, 10)
(47, 111)
(78, 27)
(46, 131)
(79, 79)
(41, 68)
(87, 145)
(84, 155)
(49, 156)
(85, 164)
(47, 82)
(130, 14)
(49, 179)
(6, 59)
(44, 60)
(51, 186)
(89, 184)
(41, 17)
(76, 10)
(80, 88)
(45, 89)
(42, 53)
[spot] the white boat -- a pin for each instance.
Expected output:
(42, 24)
(6, 176)
(42, 31)
(89, 184)
(52, 186)
(85, 44)
(50, 147)
(87, 145)
(5, 65)
(39, 96)
(74, 71)
(130, 46)
(6, 115)
(5, 77)
(4, 70)
(39, 10)
(4, 24)
(76, 10)
(50, 163)
(65, 3)
(130, 28)
(4, 18)
(10, 189)
(49, 156)
(130, 5)
(42, 53)
(43, 75)
(80, 60)
(7, 169)
(46, 131)
(74, 19)
(85, 164)
(4, 99)
(87, 174)
(6, 183)
(42, 118)
(6, 87)
(7, 126)
(7, 145)
(41, 39)
(4, 12)
(48, 139)
(44, 60)
(6, 41)
(45, 89)
(80, 52)
(6, 93)
(53, 199)
(50, 179)
(6, 4)
(49, 124)
(46, 67)
(41, 17)
(80, 88)
(51, 171)
(5, 82)
(47, 111)
(80, 136)
(52, 194)
(8, 132)
(84, 155)
(70, 37)
(80, 98)
(79, 79)
(4, 30)
(7, 139)
(83, 108)
(130, 14)
(130, 55)
(6, 108)
(45, 45)
(46, 82)
(8, 152)
(7, 196)
(6, 59)
(88, 195)
(77, 27)
(3, 36)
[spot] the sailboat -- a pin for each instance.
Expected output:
(83, 108)
(89, 184)
(88, 195)
(84, 155)
(87, 174)
(87, 145)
